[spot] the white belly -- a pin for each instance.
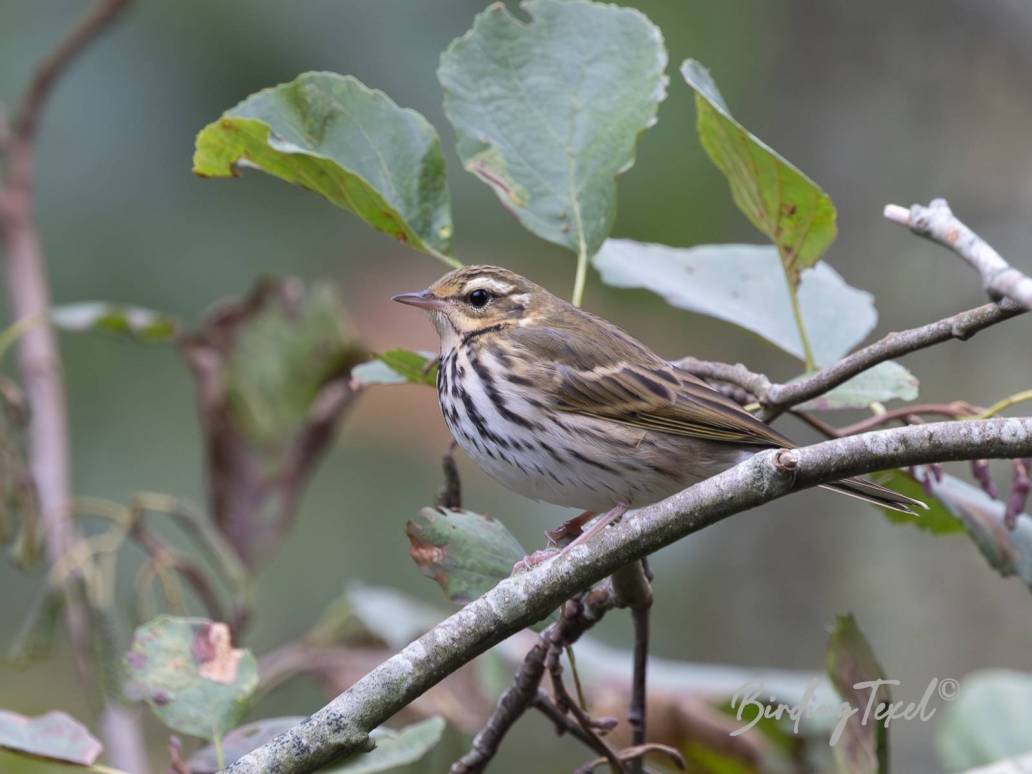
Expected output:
(569, 460)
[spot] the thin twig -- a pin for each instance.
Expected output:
(938, 223)
(39, 361)
(777, 398)
(633, 590)
(578, 617)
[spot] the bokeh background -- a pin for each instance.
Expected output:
(878, 101)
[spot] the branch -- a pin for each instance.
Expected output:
(938, 223)
(776, 398)
(38, 359)
(342, 727)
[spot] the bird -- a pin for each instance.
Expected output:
(564, 407)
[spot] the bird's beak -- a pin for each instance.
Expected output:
(424, 299)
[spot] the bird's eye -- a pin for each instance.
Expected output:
(478, 298)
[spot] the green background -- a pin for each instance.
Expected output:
(877, 101)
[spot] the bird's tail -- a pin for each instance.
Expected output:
(862, 489)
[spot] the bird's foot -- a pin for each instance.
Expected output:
(533, 559)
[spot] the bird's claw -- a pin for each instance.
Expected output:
(533, 559)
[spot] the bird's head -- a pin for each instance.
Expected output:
(475, 298)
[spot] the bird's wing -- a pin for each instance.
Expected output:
(600, 371)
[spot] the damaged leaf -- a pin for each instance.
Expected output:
(346, 142)
(548, 112)
(190, 674)
(862, 747)
(273, 374)
(466, 553)
(54, 735)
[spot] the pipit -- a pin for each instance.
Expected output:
(564, 407)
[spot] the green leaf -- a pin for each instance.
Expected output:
(188, 672)
(394, 748)
(466, 553)
(398, 366)
(779, 200)
(293, 345)
(885, 381)
(863, 746)
(346, 142)
(938, 519)
(743, 285)
(547, 113)
(54, 735)
(20, 763)
(105, 317)
(990, 719)
(240, 741)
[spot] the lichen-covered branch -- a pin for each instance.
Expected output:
(342, 727)
(938, 223)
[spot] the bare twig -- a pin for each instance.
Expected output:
(343, 725)
(938, 223)
(633, 590)
(38, 358)
(1018, 494)
(578, 617)
(777, 398)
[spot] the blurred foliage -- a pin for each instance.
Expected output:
(109, 236)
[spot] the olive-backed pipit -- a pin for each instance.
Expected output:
(564, 407)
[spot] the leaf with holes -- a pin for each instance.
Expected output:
(397, 366)
(863, 745)
(781, 201)
(547, 113)
(189, 673)
(346, 142)
(104, 317)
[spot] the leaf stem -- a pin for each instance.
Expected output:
(582, 274)
(1004, 404)
(220, 757)
(797, 314)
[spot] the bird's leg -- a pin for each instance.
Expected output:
(603, 521)
(566, 530)
(569, 529)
